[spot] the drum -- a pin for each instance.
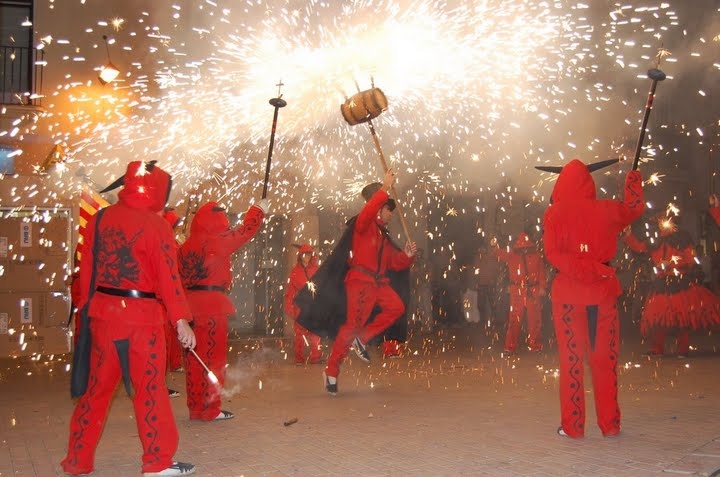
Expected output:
(364, 106)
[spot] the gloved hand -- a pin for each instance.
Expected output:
(264, 204)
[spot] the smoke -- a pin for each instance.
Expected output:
(246, 371)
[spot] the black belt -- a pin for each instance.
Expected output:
(125, 293)
(359, 268)
(207, 288)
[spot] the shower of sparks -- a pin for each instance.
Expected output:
(479, 93)
(654, 179)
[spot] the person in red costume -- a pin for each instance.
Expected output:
(714, 208)
(676, 302)
(526, 271)
(301, 274)
(580, 236)
(174, 350)
(366, 282)
(205, 267)
(129, 285)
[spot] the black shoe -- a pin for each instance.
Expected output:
(177, 468)
(651, 354)
(561, 432)
(360, 350)
(224, 415)
(330, 387)
(172, 393)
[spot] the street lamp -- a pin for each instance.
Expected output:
(108, 72)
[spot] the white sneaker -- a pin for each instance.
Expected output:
(360, 350)
(177, 468)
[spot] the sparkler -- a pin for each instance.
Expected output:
(211, 376)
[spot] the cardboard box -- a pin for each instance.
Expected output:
(33, 322)
(33, 342)
(46, 275)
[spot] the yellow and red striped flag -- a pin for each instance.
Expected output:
(90, 203)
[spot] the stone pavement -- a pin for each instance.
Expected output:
(455, 406)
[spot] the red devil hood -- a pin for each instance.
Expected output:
(306, 248)
(210, 219)
(145, 187)
(574, 182)
(522, 241)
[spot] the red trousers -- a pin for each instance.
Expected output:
(174, 350)
(573, 341)
(523, 301)
(361, 299)
(302, 338)
(657, 343)
(155, 421)
(203, 396)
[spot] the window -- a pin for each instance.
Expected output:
(16, 50)
(7, 161)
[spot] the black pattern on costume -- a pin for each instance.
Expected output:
(614, 345)
(192, 267)
(634, 184)
(210, 389)
(151, 375)
(84, 409)
(115, 255)
(169, 253)
(576, 370)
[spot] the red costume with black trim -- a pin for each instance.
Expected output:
(205, 267)
(174, 350)
(130, 250)
(299, 276)
(675, 301)
(366, 282)
(580, 239)
(526, 271)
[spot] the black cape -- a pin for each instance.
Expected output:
(325, 311)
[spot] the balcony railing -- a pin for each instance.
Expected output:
(22, 74)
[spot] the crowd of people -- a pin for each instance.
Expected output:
(147, 304)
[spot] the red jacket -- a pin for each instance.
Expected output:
(372, 253)
(136, 251)
(526, 268)
(205, 257)
(580, 235)
(299, 276)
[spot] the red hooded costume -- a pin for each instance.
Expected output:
(299, 276)
(526, 272)
(205, 267)
(128, 268)
(580, 239)
(174, 350)
(676, 301)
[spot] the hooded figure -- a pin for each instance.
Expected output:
(526, 273)
(301, 274)
(675, 302)
(205, 267)
(580, 239)
(128, 286)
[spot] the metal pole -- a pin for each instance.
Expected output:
(655, 75)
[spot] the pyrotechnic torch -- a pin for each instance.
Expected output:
(656, 75)
(276, 103)
(363, 107)
(211, 376)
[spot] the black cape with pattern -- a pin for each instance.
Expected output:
(325, 311)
